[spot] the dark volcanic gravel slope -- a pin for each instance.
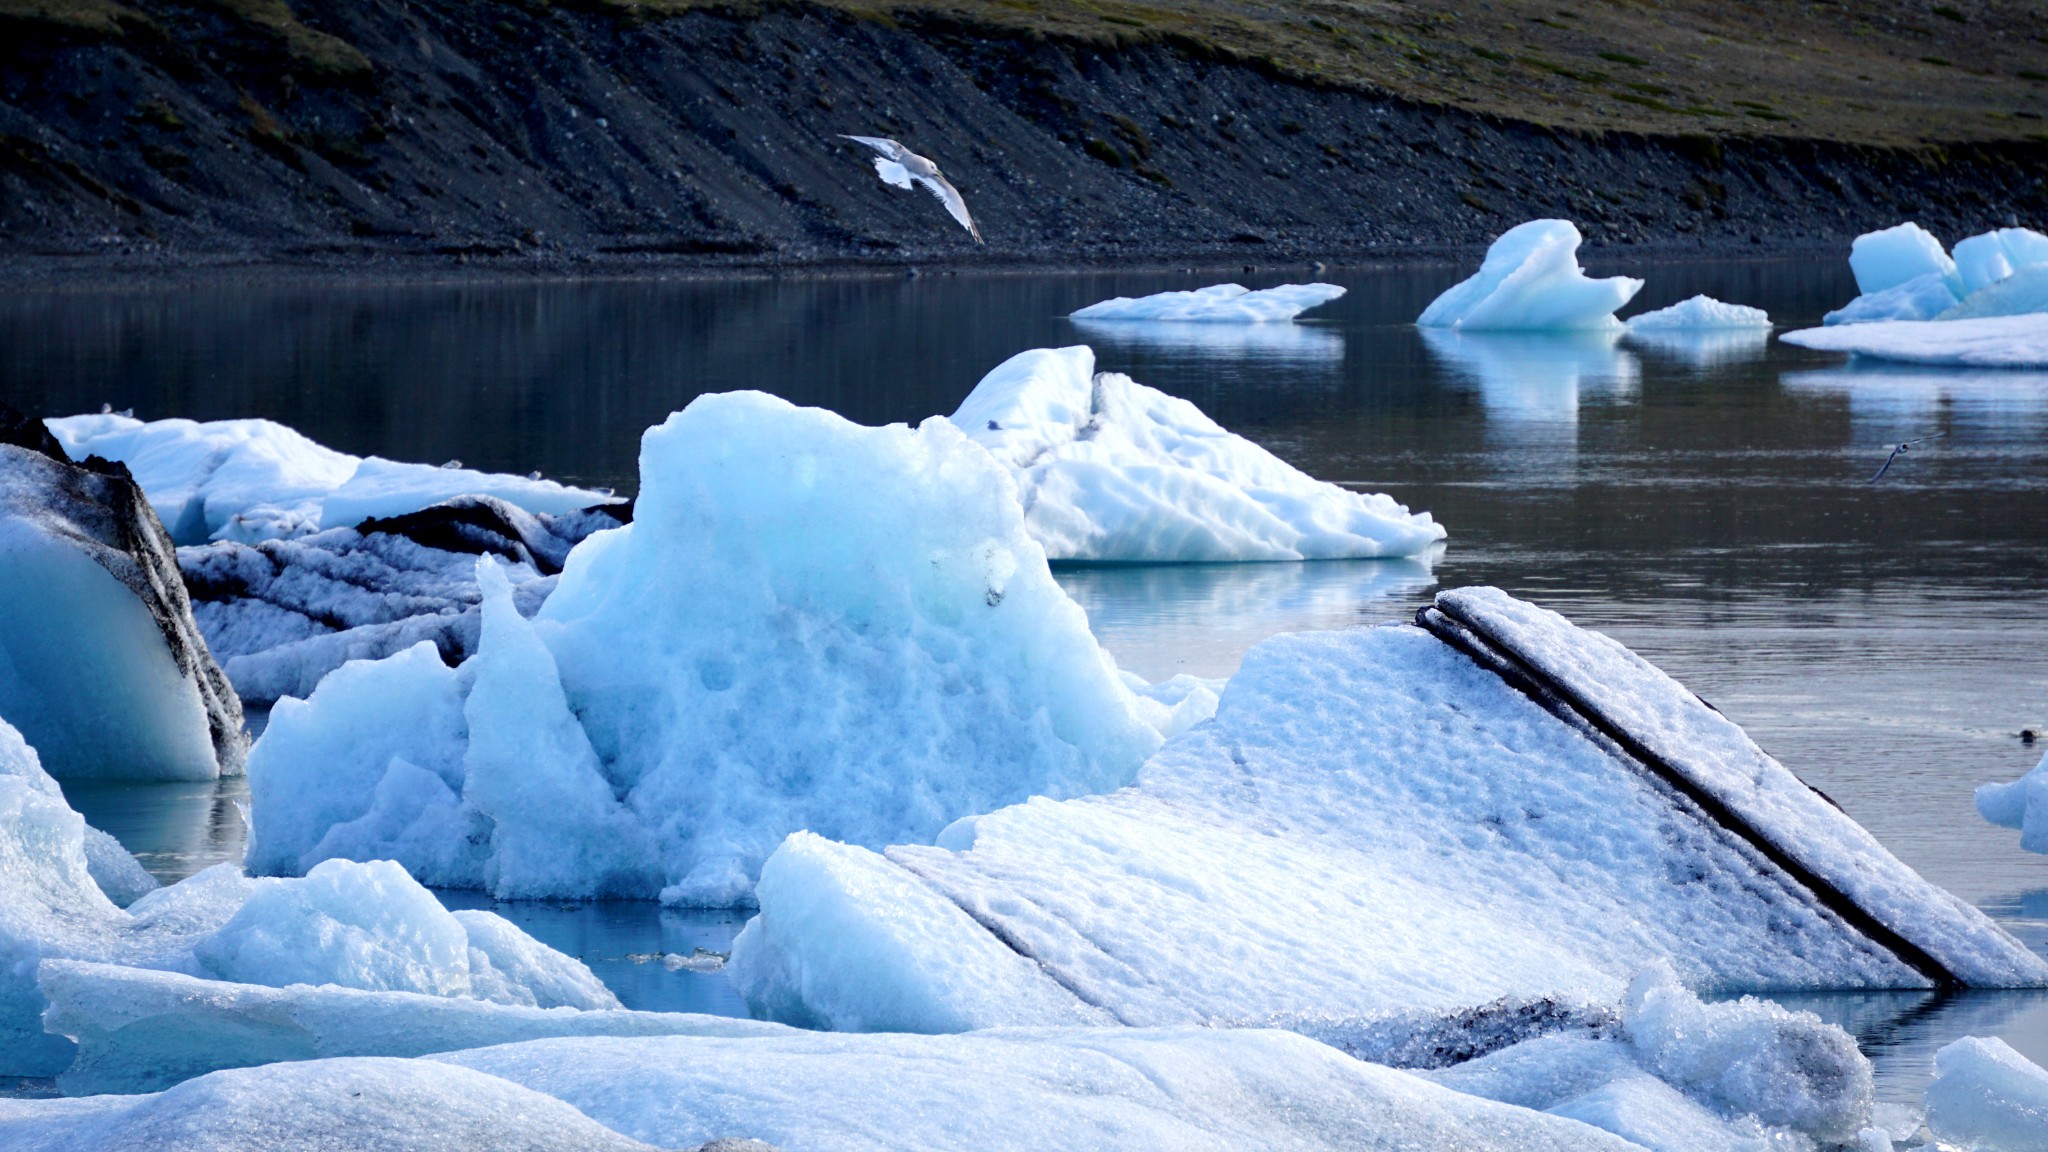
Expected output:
(366, 131)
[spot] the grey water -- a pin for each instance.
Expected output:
(1709, 503)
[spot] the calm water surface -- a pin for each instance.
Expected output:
(1707, 503)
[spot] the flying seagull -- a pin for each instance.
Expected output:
(1903, 448)
(901, 167)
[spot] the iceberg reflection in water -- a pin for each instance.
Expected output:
(1161, 620)
(1892, 393)
(1530, 380)
(1310, 343)
(1703, 349)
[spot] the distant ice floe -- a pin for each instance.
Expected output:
(1696, 314)
(1902, 274)
(250, 480)
(1216, 304)
(1993, 342)
(2021, 804)
(810, 624)
(1111, 470)
(1531, 281)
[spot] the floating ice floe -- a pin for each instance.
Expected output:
(1994, 342)
(2021, 804)
(1678, 1074)
(1987, 1096)
(252, 480)
(116, 873)
(1083, 1089)
(1699, 313)
(281, 614)
(1216, 304)
(359, 1105)
(1903, 274)
(810, 624)
(1108, 469)
(1530, 281)
(102, 666)
(1375, 823)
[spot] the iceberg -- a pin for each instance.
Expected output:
(1376, 822)
(117, 873)
(1678, 1074)
(1696, 314)
(102, 666)
(1902, 274)
(250, 480)
(1216, 304)
(281, 614)
(350, 1105)
(1993, 342)
(2021, 804)
(1985, 1095)
(1083, 1089)
(140, 1030)
(1531, 281)
(1110, 470)
(809, 624)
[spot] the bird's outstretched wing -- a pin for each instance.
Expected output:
(889, 149)
(1904, 447)
(950, 196)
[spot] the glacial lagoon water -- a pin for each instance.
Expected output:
(1707, 502)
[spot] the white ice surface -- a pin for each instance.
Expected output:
(810, 624)
(1116, 1090)
(1531, 280)
(853, 943)
(1372, 824)
(249, 480)
(1699, 312)
(1988, 1098)
(350, 1105)
(141, 1031)
(1216, 304)
(1716, 755)
(1109, 469)
(2021, 804)
(1993, 342)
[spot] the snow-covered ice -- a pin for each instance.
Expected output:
(1682, 1075)
(140, 1030)
(1698, 313)
(1992, 342)
(1371, 824)
(1985, 1096)
(1108, 469)
(101, 664)
(1082, 1089)
(350, 1105)
(1216, 304)
(1530, 281)
(2021, 804)
(810, 624)
(252, 480)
